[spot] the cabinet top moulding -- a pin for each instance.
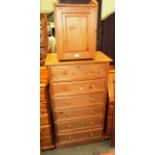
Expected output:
(92, 3)
(51, 59)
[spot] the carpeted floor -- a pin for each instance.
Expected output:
(87, 149)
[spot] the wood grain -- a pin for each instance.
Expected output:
(76, 31)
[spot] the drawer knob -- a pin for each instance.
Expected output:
(69, 137)
(81, 88)
(68, 114)
(66, 88)
(92, 111)
(67, 103)
(91, 123)
(92, 99)
(91, 134)
(69, 126)
(65, 72)
(92, 71)
(92, 86)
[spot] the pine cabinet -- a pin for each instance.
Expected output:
(76, 26)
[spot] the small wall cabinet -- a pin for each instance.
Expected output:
(76, 26)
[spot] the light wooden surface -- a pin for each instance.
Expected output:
(88, 71)
(78, 101)
(76, 30)
(51, 59)
(78, 98)
(79, 87)
(43, 74)
(79, 123)
(46, 134)
(111, 94)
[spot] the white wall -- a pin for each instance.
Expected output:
(46, 6)
(108, 7)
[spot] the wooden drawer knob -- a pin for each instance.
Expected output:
(91, 111)
(66, 88)
(60, 113)
(69, 137)
(92, 71)
(81, 88)
(91, 123)
(69, 126)
(98, 70)
(92, 86)
(68, 114)
(65, 72)
(92, 99)
(67, 103)
(91, 134)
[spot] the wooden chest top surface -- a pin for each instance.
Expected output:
(51, 59)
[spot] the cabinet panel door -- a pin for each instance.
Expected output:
(76, 32)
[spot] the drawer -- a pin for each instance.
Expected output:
(46, 141)
(110, 110)
(43, 107)
(71, 136)
(45, 131)
(43, 74)
(79, 112)
(44, 120)
(78, 87)
(78, 101)
(110, 120)
(87, 123)
(43, 94)
(78, 72)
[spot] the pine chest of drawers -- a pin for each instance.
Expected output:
(46, 136)
(78, 92)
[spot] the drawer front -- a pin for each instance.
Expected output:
(78, 72)
(43, 94)
(78, 101)
(111, 110)
(86, 123)
(46, 141)
(43, 74)
(45, 131)
(43, 108)
(44, 120)
(74, 113)
(79, 135)
(79, 87)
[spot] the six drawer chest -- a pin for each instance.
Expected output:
(78, 92)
